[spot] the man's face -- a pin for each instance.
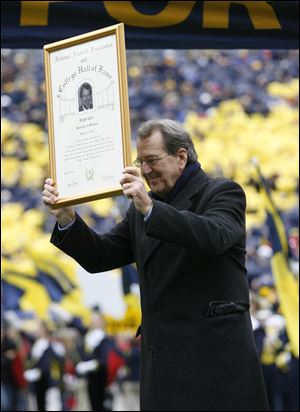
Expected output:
(161, 176)
(86, 98)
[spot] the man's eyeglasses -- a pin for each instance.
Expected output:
(150, 161)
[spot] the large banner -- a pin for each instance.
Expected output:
(155, 24)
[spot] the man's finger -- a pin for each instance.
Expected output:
(132, 170)
(49, 196)
(48, 200)
(128, 178)
(51, 189)
(128, 191)
(49, 181)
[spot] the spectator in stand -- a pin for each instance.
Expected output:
(13, 384)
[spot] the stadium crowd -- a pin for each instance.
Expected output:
(237, 105)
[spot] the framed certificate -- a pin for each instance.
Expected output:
(88, 114)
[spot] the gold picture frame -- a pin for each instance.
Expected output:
(88, 114)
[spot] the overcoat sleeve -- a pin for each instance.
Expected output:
(94, 252)
(212, 228)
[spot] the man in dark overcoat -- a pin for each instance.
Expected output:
(187, 237)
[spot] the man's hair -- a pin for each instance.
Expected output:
(174, 136)
(86, 86)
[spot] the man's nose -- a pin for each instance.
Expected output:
(145, 168)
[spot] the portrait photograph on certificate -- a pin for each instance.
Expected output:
(88, 114)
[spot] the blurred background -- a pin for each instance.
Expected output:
(237, 105)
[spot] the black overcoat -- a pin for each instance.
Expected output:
(190, 253)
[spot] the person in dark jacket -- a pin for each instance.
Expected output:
(95, 364)
(45, 369)
(187, 237)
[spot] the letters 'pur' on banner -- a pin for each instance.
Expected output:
(155, 24)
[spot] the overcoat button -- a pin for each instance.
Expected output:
(149, 273)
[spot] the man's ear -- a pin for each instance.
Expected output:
(182, 157)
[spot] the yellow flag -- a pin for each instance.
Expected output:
(286, 284)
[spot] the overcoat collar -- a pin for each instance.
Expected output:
(183, 199)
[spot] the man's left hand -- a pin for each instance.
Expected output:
(133, 187)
